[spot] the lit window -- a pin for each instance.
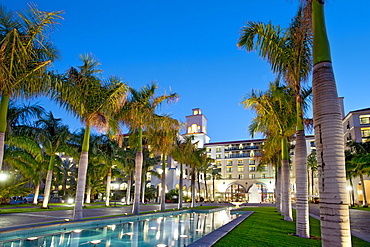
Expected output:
(241, 176)
(218, 156)
(252, 176)
(218, 163)
(229, 169)
(263, 175)
(229, 176)
(365, 119)
(229, 162)
(240, 161)
(252, 168)
(240, 168)
(365, 132)
(218, 149)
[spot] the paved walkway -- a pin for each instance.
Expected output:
(359, 220)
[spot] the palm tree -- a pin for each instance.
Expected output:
(25, 154)
(334, 213)
(312, 165)
(275, 115)
(138, 114)
(359, 163)
(26, 53)
(289, 54)
(52, 137)
(216, 174)
(149, 160)
(182, 151)
(93, 100)
(204, 168)
(161, 138)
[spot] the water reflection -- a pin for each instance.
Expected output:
(175, 230)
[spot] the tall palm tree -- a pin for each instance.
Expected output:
(334, 213)
(215, 174)
(93, 100)
(52, 136)
(182, 151)
(161, 138)
(149, 160)
(275, 115)
(26, 53)
(138, 114)
(289, 54)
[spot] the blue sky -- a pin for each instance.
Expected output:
(189, 47)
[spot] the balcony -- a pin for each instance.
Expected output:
(241, 148)
(229, 156)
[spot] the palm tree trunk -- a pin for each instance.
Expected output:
(163, 186)
(36, 193)
(107, 188)
(334, 213)
(128, 192)
(278, 189)
(138, 172)
(286, 199)
(88, 193)
(82, 170)
(49, 177)
(181, 185)
(193, 203)
(205, 187)
(300, 157)
(143, 188)
(213, 188)
(198, 179)
(364, 203)
(3, 115)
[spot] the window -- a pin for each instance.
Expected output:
(229, 162)
(240, 161)
(218, 149)
(229, 169)
(229, 176)
(208, 150)
(218, 156)
(365, 132)
(251, 162)
(218, 164)
(240, 168)
(252, 176)
(252, 168)
(241, 176)
(264, 168)
(365, 119)
(263, 175)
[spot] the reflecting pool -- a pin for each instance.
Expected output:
(177, 229)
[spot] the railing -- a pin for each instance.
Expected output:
(239, 148)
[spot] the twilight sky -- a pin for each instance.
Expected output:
(189, 47)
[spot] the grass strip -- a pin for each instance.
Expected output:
(266, 227)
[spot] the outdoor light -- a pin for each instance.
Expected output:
(349, 188)
(77, 231)
(95, 242)
(183, 236)
(2, 176)
(31, 238)
(70, 200)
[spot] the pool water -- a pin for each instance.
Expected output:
(172, 230)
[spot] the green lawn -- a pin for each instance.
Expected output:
(361, 208)
(266, 227)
